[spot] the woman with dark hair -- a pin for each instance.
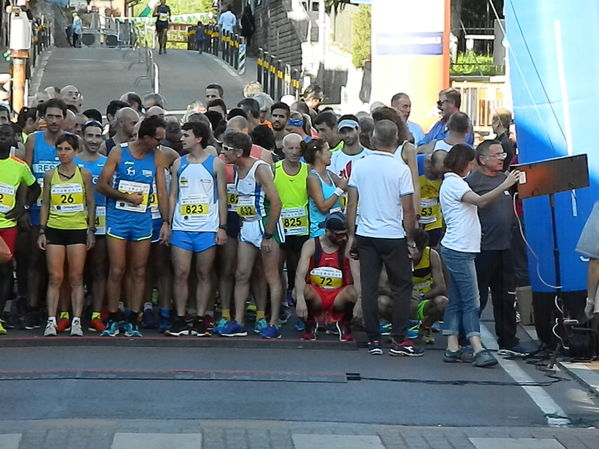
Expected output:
(459, 248)
(68, 215)
(324, 187)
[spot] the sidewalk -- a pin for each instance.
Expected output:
(247, 434)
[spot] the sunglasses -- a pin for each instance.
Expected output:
(500, 156)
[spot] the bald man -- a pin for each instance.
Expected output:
(124, 122)
(70, 122)
(71, 96)
(155, 111)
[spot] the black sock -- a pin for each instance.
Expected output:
(114, 317)
(133, 317)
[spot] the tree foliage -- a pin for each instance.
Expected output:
(361, 49)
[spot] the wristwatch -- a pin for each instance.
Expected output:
(411, 244)
(223, 227)
(267, 236)
(26, 207)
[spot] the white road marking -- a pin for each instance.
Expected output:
(157, 440)
(315, 441)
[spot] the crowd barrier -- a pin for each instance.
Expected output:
(277, 79)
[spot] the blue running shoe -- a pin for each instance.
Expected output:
(289, 300)
(131, 330)
(437, 326)
(385, 328)
(234, 329)
(285, 314)
(413, 330)
(299, 325)
(221, 325)
(148, 320)
(164, 319)
(260, 325)
(112, 329)
(271, 332)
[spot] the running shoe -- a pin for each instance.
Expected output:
(209, 322)
(374, 347)
(427, 336)
(32, 320)
(413, 329)
(437, 326)
(164, 320)
(331, 329)
(271, 332)
(484, 359)
(76, 330)
(63, 325)
(198, 329)
(178, 328)
(309, 330)
(234, 329)
(50, 330)
(285, 314)
(112, 330)
(148, 320)
(385, 328)
(344, 329)
(260, 326)
(2, 329)
(131, 330)
(300, 325)
(7, 319)
(405, 348)
(97, 325)
(220, 326)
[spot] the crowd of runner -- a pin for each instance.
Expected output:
(126, 219)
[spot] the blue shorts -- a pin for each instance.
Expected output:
(195, 242)
(233, 224)
(34, 215)
(137, 228)
(156, 226)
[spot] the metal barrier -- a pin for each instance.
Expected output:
(231, 47)
(152, 72)
(276, 77)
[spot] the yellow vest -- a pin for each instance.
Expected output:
(422, 274)
(67, 202)
(430, 209)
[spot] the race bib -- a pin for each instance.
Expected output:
(7, 198)
(232, 198)
(246, 208)
(40, 181)
(153, 200)
(326, 277)
(130, 187)
(295, 221)
(100, 220)
(195, 207)
(428, 210)
(163, 16)
(67, 198)
(423, 287)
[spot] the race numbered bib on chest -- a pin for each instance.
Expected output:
(67, 198)
(429, 208)
(100, 220)
(153, 200)
(326, 277)
(130, 187)
(232, 198)
(163, 16)
(246, 208)
(7, 198)
(40, 182)
(423, 287)
(295, 220)
(195, 208)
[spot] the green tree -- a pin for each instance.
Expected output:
(361, 48)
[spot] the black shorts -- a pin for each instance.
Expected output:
(66, 237)
(293, 243)
(161, 26)
(233, 225)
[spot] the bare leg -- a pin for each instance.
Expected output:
(55, 255)
(270, 261)
(117, 256)
(137, 261)
(181, 266)
(204, 263)
(76, 261)
(246, 255)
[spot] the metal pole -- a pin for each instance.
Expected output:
(19, 76)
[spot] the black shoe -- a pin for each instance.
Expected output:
(199, 328)
(178, 328)
(33, 320)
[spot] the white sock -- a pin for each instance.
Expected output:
(52, 319)
(76, 320)
(148, 305)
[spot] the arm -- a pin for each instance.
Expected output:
(91, 207)
(45, 209)
(162, 163)
(266, 156)
(29, 149)
(409, 156)
(439, 287)
(486, 199)
(221, 187)
(301, 309)
(265, 179)
(315, 192)
(351, 212)
(409, 216)
(104, 185)
(174, 190)
(26, 196)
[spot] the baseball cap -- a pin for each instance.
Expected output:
(334, 222)
(347, 123)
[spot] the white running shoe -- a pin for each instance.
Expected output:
(50, 329)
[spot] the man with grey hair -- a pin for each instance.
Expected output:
(403, 105)
(384, 230)
(71, 96)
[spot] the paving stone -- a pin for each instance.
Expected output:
(157, 440)
(10, 440)
(303, 441)
(516, 443)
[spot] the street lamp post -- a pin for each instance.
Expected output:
(19, 44)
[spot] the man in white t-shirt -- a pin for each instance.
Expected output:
(383, 186)
(342, 160)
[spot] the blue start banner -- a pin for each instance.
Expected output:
(554, 73)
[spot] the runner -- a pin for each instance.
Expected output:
(135, 167)
(13, 173)
(324, 282)
(290, 180)
(96, 262)
(342, 160)
(259, 207)
(66, 230)
(324, 187)
(430, 216)
(199, 216)
(125, 120)
(279, 115)
(325, 124)
(40, 155)
(162, 12)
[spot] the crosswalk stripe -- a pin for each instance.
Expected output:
(516, 443)
(316, 441)
(10, 440)
(156, 440)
